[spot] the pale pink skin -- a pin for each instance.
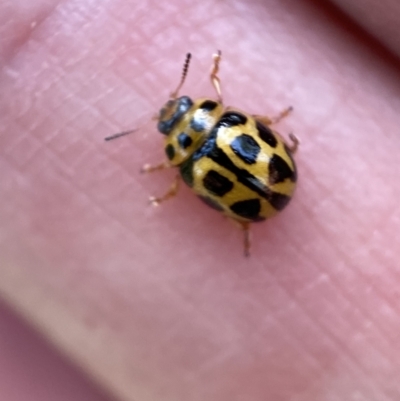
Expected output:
(32, 370)
(380, 18)
(159, 303)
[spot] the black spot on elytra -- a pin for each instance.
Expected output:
(266, 135)
(289, 153)
(170, 151)
(279, 201)
(279, 170)
(216, 183)
(184, 140)
(246, 148)
(208, 105)
(249, 209)
(186, 170)
(211, 150)
(231, 118)
(211, 202)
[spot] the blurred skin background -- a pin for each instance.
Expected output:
(159, 304)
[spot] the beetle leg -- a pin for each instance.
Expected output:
(284, 113)
(274, 120)
(214, 77)
(148, 168)
(295, 143)
(172, 191)
(246, 238)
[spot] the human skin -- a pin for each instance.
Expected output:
(380, 18)
(159, 303)
(32, 370)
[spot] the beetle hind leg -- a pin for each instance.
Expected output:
(275, 119)
(284, 113)
(295, 143)
(245, 227)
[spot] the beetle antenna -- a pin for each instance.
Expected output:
(123, 133)
(119, 134)
(185, 69)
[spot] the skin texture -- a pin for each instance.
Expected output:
(159, 303)
(380, 18)
(32, 370)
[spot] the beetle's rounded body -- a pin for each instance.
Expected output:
(232, 160)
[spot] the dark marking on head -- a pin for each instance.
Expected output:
(197, 124)
(266, 135)
(186, 170)
(208, 105)
(211, 202)
(216, 183)
(170, 151)
(246, 148)
(249, 209)
(179, 107)
(184, 140)
(279, 201)
(231, 118)
(279, 170)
